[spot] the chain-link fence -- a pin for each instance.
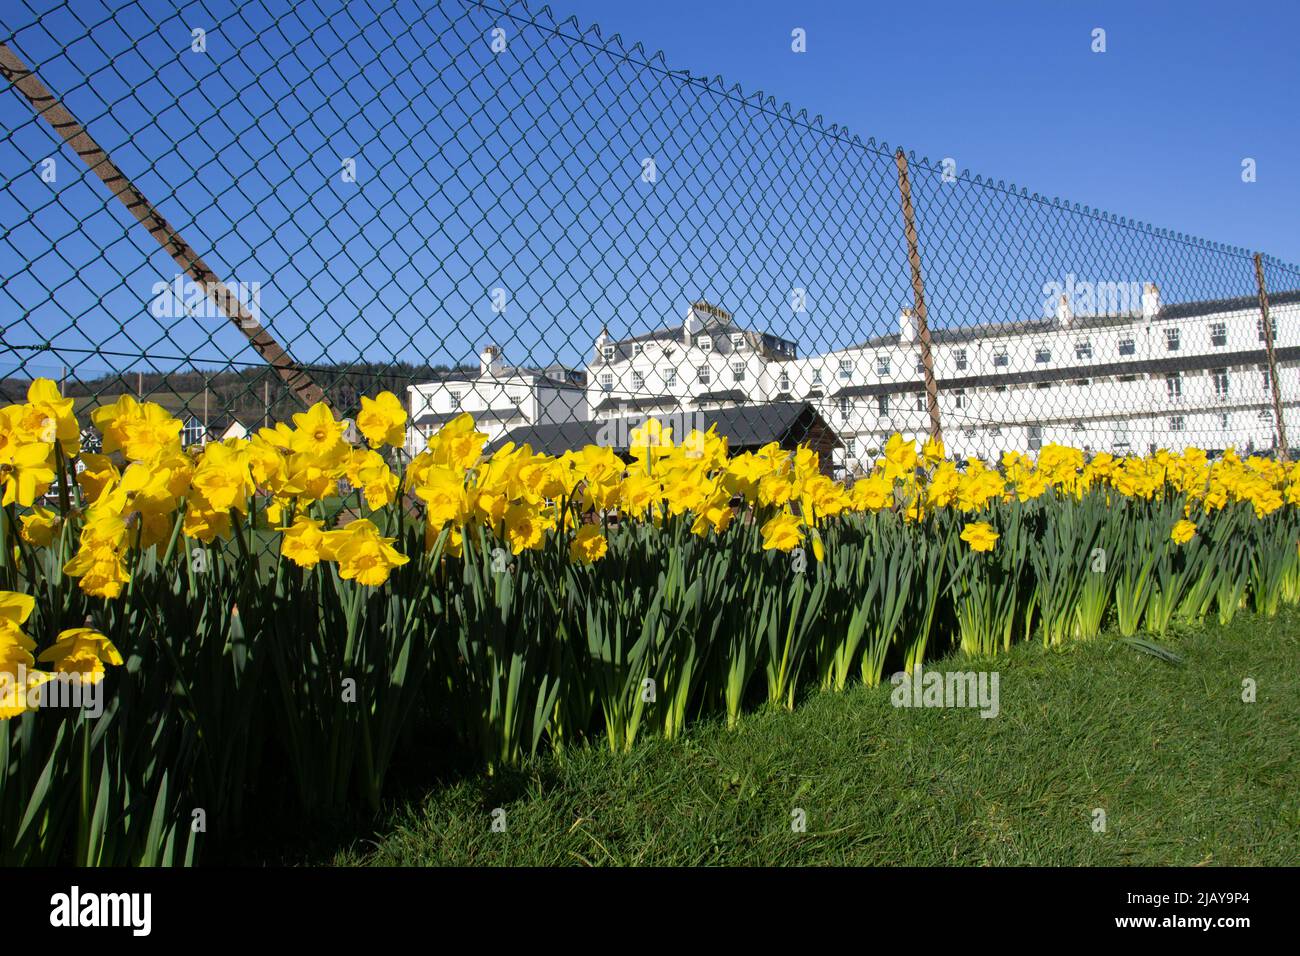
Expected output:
(235, 208)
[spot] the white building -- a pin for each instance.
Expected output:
(706, 362)
(499, 397)
(1155, 376)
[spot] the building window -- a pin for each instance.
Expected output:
(1173, 339)
(1220, 376)
(920, 402)
(1043, 385)
(638, 381)
(1266, 416)
(737, 339)
(705, 343)
(1128, 346)
(920, 365)
(784, 382)
(637, 350)
(1259, 328)
(1218, 334)
(607, 352)
(670, 377)
(882, 364)
(1177, 423)
(817, 377)
(1043, 355)
(455, 400)
(1174, 384)
(850, 448)
(1001, 359)
(882, 405)
(1225, 420)
(704, 374)
(193, 432)
(959, 398)
(959, 359)
(1083, 349)
(606, 382)
(1082, 382)
(737, 372)
(846, 369)
(1267, 378)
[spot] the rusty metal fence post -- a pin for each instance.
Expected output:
(1267, 328)
(918, 296)
(47, 107)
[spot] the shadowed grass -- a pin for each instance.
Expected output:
(1186, 772)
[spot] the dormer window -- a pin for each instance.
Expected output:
(882, 365)
(607, 352)
(637, 350)
(737, 339)
(705, 343)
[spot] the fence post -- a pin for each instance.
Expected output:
(918, 295)
(48, 108)
(1272, 357)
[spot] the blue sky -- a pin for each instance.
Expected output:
(1154, 128)
(521, 169)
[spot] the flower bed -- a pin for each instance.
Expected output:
(275, 619)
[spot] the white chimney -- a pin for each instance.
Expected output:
(906, 325)
(1064, 314)
(691, 327)
(489, 360)
(1150, 300)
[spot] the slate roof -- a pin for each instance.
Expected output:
(751, 426)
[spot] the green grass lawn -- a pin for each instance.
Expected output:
(1186, 772)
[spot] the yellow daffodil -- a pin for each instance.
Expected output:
(382, 420)
(83, 652)
(980, 536)
(588, 545)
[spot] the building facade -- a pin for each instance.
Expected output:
(1156, 376)
(500, 397)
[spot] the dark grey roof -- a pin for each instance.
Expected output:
(728, 395)
(970, 333)
(751, 426)
(1183, 310)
